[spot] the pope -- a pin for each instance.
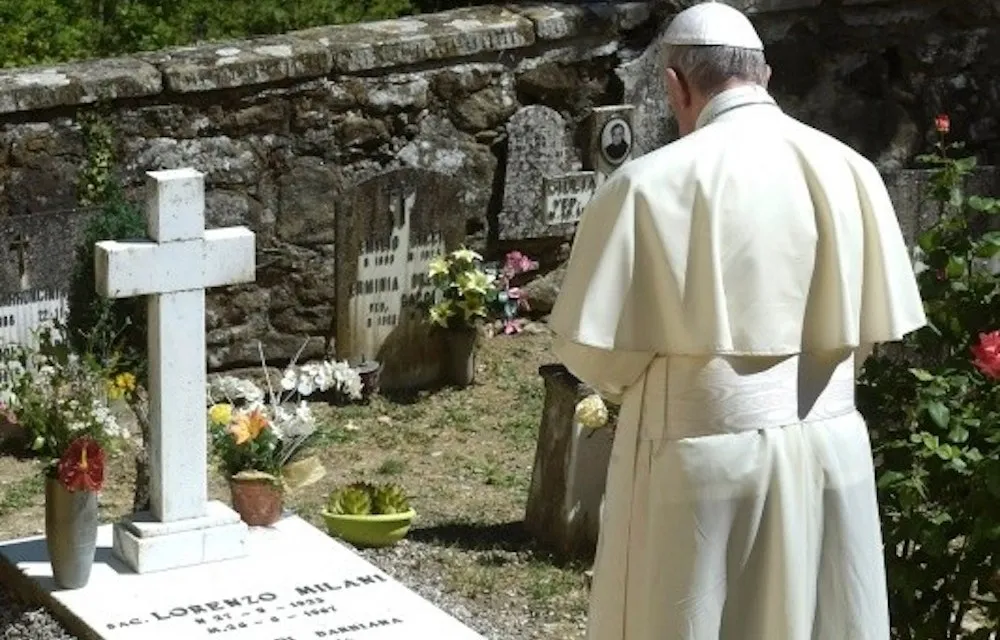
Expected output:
(725, 290)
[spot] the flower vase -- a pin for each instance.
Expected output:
(257, 497)
(70, 533)
(460, 356)
(370, 373)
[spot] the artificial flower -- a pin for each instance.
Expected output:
(466, 255)
(986, 354)
(472, 282)
(441, 312)
(591, 412)
(221, 414)
(81, 467)
(437, 267)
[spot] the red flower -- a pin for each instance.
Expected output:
(942, 123)
(987, 354)
(81, 467)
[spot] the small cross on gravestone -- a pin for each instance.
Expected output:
(172, 271)
(20, 244)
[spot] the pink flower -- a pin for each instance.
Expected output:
(517, 263)
(986, 354)
(942, 123)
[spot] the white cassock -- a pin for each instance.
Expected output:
(720, 289)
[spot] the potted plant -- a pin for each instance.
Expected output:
(369, 515)
(61, 400)
(255, 445)
(464, 289)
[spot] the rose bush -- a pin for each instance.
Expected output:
(934, 411)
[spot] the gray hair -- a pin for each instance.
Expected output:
(708, 68)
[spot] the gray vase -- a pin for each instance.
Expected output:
(70, 533)
(461, 356)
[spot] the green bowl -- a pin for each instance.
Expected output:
(369, 531)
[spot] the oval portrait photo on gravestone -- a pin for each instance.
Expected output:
(616, 141)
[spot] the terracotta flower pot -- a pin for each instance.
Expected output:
(70, 533)
(258, 499)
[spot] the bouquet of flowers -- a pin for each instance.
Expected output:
(464, 289)
(61, 400)
(257, 432)
(507, 299)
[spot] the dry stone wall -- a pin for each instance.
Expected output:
(487, 101)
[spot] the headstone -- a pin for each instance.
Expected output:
(645, 88)
(610, 138)
(571, 462)
(37, 256)
(296, 583)
(172, 271)
(539, 146)
(389, 229)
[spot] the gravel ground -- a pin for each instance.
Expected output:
(24, 622)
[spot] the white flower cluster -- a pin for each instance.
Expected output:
(309, 378)
(295, 423)
(233, 389)
(591, 412)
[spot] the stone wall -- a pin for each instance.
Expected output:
(291, 130)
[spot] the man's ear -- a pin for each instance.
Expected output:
(677, 89)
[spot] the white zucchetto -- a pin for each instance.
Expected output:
(712, 24)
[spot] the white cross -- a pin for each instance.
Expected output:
(172, 271)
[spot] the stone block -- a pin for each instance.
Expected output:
(239, 64)
(571, 463)
(450, 34)
(33, 88)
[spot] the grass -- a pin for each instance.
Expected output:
(464, 456)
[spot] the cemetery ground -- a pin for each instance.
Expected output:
(465, 457)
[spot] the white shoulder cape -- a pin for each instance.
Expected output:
(754, 235)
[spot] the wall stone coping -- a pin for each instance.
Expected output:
(340, 49)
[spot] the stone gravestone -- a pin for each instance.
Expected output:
(389, 229)
(539, 148)
(37, 256)
(567, 482)
(571, 462)
(191, 569)
(173, 271)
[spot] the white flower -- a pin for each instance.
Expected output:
(591, 412)
(289, 380)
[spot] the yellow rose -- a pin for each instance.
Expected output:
(221, 414)
(591, 412)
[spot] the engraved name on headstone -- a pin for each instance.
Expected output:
(567, 195)
(539, 146)
(389, 228)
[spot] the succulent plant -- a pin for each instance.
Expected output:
(389, 498)
(354, 499)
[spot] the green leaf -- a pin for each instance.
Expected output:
(931, 442)
(939, 414)
(956, 267)
(958, 434)
(890, 478)
(922, 375)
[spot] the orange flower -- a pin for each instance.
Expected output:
(257, 422)
(942, 123)
(239, 429)
(81, 467)
(986, 354)
(247, 426)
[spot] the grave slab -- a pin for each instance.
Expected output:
(295, 583)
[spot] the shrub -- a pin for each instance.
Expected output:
(934, 411)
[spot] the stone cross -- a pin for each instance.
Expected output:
(172, 271)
